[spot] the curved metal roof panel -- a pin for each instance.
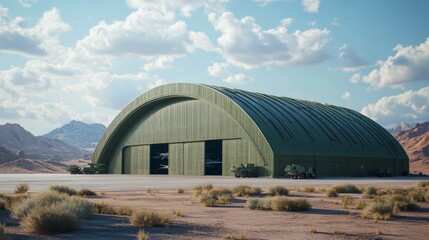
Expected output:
(299, 127)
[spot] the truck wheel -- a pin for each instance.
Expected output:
(302, 176)
(237, 175)
(308, 175)
(244, 174)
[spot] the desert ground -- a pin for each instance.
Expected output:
(327, 219)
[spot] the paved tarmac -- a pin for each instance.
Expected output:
(41, 182)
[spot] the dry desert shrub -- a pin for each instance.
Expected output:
(141, 235)
(290, 204)
(346, 188)
(331, 192)
(258, 204)
(423, 184)
(79, 207)
(307, 189)
(8, 202)
(124, 211)
(63, 189)
(418, 195)
(211, 197)
(360, 205)
(203, 187)
(50, 219)
(400, 202)
(378, 211)
(278, 191)
(2, 232)
(86, 192)
(369, 191)
(144, 218)
(22, 188)
(246, 190)
(104, 208)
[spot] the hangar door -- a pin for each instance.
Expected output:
(136, 159)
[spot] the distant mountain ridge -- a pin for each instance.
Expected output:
(402, 126)
(15, 138)
(78, 134)
(415, 142)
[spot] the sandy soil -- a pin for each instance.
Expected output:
(328, 218)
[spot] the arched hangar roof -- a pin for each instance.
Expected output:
(276, 125)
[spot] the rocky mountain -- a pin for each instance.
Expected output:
(16, 139)
(22, 165)
(402, 126)
(78, 134)
(415, 142)
(6, 156)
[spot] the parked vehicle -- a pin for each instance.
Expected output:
(384, 172)
(297, 171)
(244, 170)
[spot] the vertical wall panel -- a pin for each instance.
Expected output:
(175, 159)
(194, 158)
(126, 160)
(140, 159)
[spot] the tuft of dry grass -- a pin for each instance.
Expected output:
(178, 213)
(346, 200)
(246, 190)
(331, 192)
(151, 192)
(180, 190)
(313, 230)
(144, 218)
(346, 188)
(278, 191)
(85, 192)
(378, 211)
(234, 236)
(400, 202)
(360, 205)
(22, 188)
(141, 235)
(50, 219)
(63, 189)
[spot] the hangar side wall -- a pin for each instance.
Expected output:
(343, 166)
(184, 125)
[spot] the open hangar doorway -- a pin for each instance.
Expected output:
(159, 158)
(213, 157)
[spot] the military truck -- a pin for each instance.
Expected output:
(244, 170)
(384, 172)
(90, 169)
(297, 171)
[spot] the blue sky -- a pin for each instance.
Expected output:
(85, 60)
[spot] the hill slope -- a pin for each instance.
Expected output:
(415, 142)
(15, 138)
(78, 134)
(6, 156)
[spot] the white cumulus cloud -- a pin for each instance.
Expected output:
(346, 95)
(311, 5)
(409, 64)
(350, 61)
(245, 44)
(35, 41)
(223, 70)
(408, 106)
(185, 7)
